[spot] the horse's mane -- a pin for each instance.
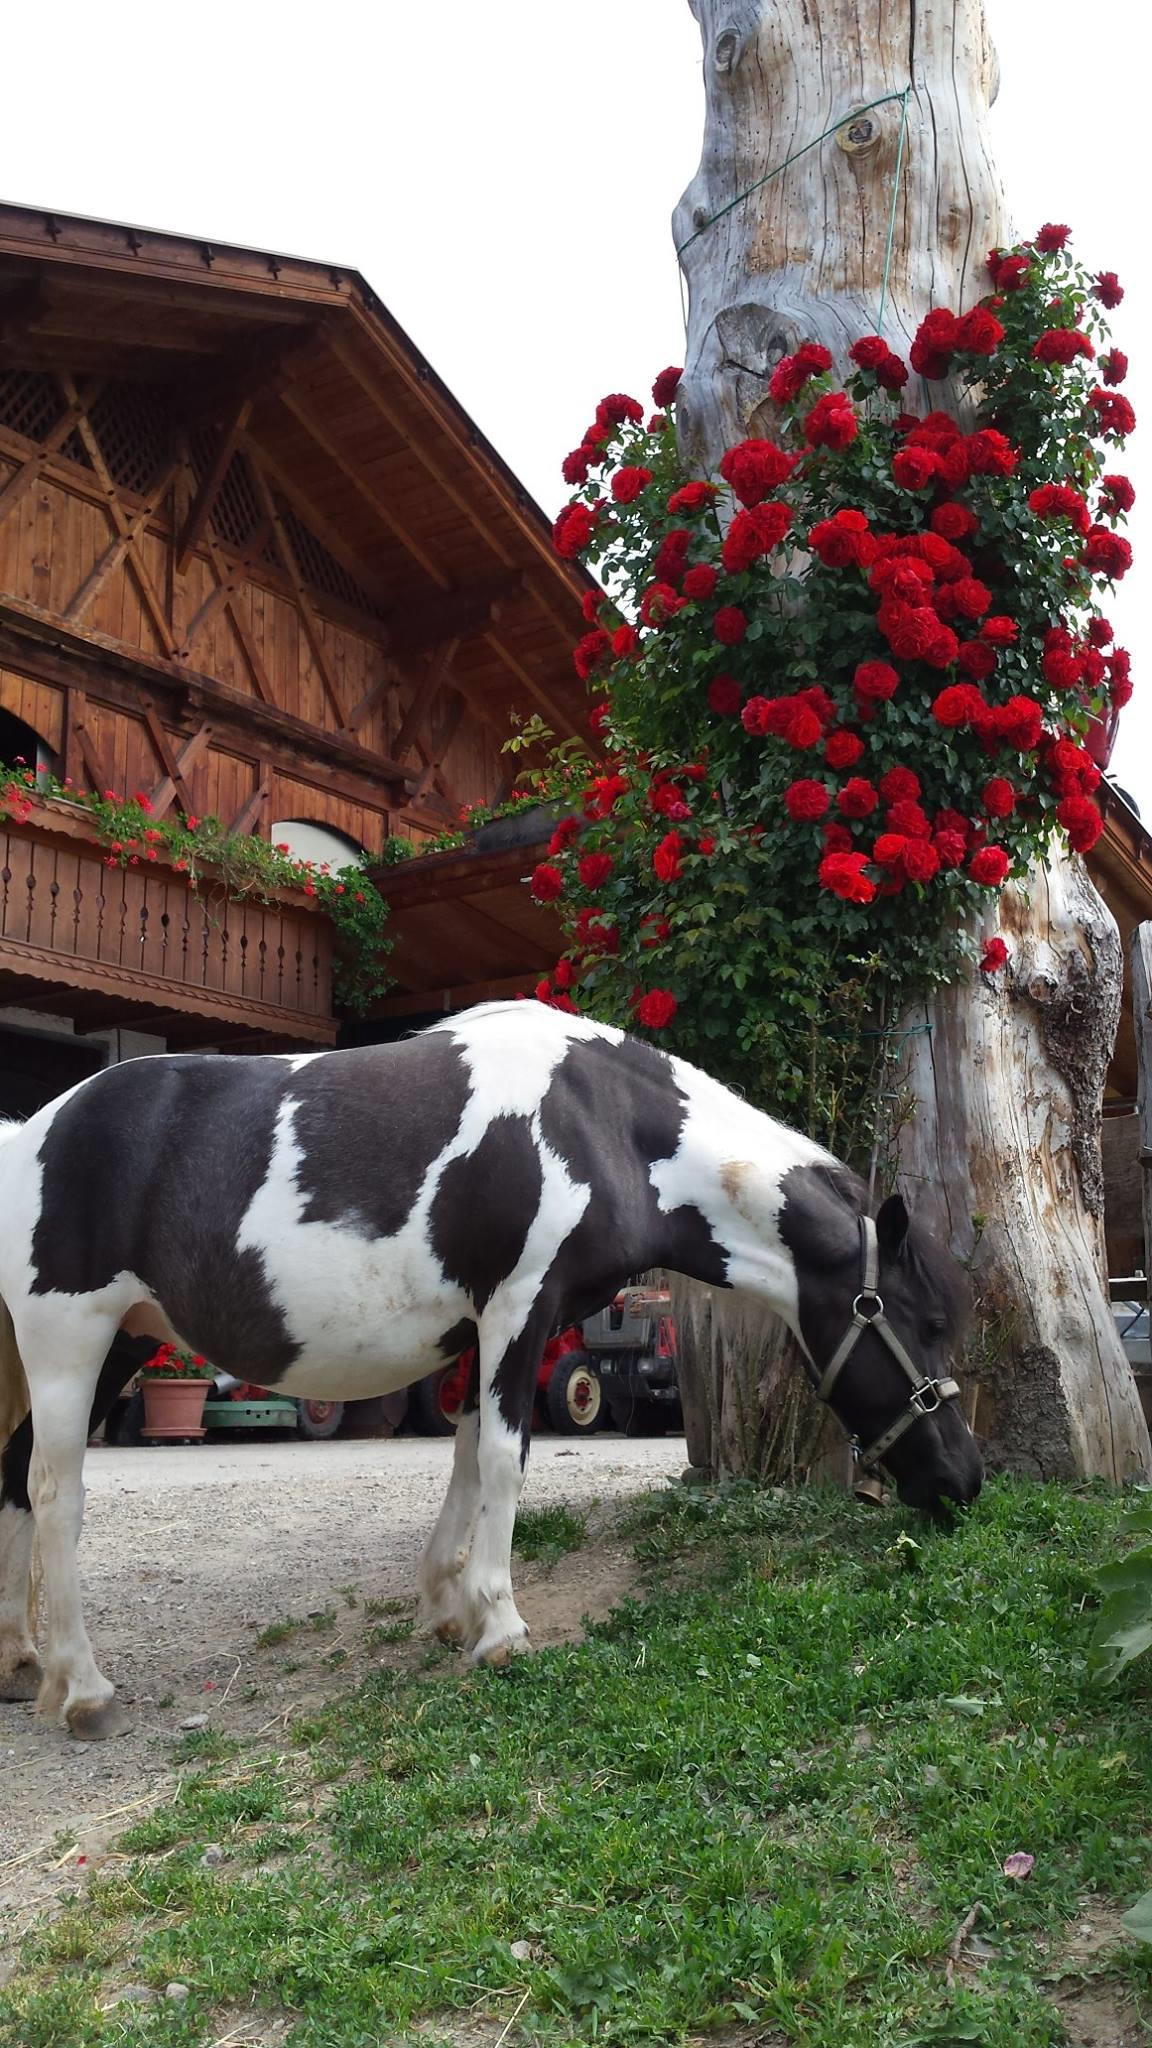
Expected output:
(930, 1262)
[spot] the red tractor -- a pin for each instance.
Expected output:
(568, 1393)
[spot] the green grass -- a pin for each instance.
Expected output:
(764, 1798)
(546, 1534)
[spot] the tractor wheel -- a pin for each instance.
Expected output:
(127, 1420)
(318, 1419)
(574, 1397)
(430, 1403)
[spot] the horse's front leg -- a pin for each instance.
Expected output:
(509, 1357)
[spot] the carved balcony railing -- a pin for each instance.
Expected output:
(151, 935)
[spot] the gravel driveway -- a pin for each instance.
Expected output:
(190, 1552)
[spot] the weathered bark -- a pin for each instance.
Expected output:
(1142, 1017)
(803, 257)
(1008, 1085)
(1003, 1156)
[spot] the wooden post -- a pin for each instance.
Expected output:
(1142, 1018)
(781, 242)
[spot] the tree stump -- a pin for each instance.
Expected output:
(1007, 1083)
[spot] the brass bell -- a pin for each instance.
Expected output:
(870, 1489)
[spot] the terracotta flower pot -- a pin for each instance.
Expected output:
(173, 1408)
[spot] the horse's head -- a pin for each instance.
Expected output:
(880, 1311)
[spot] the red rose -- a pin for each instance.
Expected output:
(1107, 554)
(960, 704)
(671, 557)
(730, 625)
(1114, 415)
(979, 333)
(858, 798)
(906, 816)
(602, 796)
(706, 844)
(921, 860)
(1082, 822)
(625, 641)
(792, 372)
(590, 605)
(805, 801)
(659, 929)
(837, 838)
(954, 522)
(1051, 237)
(843, 874)
(589, 652)
(910, 630)
(1000, 630)
(666, 386)
(969, 597)
(838, 541)
(990, 865)
(915, 468)
(903, 577)
(899, 785)
(1116, 497)
(594, 869)
(952, 847)
(872, 352)
(1120, 683)
(843, 749)
(831, 422)
(575, 467)
(875, 681)
(1062, 345)
(616, 408)
(754, 468)
(666, 859)
(573, 529)
(1108, 289)
(700, 581)
(659, 604)
(566, 831)
(692, 497)
(1100, 630)
(990, 453)
(667, 801)
(994, 956)
(1071, 769)
(1114, 366)
(977, 659)
(888, 851)
(598, 718)
(656, 1009)
(547, 883)
(1008, 273)
(725, 696)
(1060, 501)
(1018, 724)
(627, 484)
(999, 797)
(755, 532)
(756, 715)
(931, 352)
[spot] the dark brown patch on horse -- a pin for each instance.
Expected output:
(364, 1173)
(484, 1207)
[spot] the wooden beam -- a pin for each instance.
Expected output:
(120, 523)
(54, 440)
(452, 727)
(325, 529)
(459, 612)
(229, 576)
(197, 521)
(311, 623)
(349, 469)
(253, 372)
(116, 550)
(261, 682)
(173, 783)
(1142, 1019)
(248, 816)
(439, 877)
(424, 695)
(98, 775)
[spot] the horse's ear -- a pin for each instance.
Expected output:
(891, 1228)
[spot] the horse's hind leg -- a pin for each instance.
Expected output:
(492, 1627)
(63, 1352)
(449, 1545)
(20, 1673)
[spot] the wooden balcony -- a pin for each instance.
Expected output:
(147, 948)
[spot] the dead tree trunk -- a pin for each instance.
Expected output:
(1142, 1017)
(1007, 1087)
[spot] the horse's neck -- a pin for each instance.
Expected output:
(740, 1167)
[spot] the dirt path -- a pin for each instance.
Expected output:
(190, 1553)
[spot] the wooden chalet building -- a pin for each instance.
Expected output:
(256, 562)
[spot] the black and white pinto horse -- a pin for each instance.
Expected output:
(337, 1224)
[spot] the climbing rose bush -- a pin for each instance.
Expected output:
(850, 685)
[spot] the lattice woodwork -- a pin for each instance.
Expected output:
(30, 402)
(235, 512)
(321, 569)
(135, 432)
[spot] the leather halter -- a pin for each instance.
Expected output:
(868, 1314)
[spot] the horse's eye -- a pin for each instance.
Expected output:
(934, 1328)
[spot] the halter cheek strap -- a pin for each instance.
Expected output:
(868, 1314)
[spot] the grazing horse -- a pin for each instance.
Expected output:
(337, 1224)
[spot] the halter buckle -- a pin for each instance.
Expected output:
(867, 1294)
(918, 1401)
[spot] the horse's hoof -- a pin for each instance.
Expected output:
(449, 1632)
(22, 1682)
(98, 1724)
(496, 1655)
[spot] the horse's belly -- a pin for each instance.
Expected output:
(353, 1364)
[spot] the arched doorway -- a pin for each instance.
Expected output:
(307, 840)
(22, 746)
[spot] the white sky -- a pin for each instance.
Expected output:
(503, 175)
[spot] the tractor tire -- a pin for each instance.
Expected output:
(126, 1422)
(427, 1413)
(574, 1397)
(318, 1420)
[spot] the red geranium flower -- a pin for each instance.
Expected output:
(730, 625)
(666, 386)
(547, 883)
(990, 865)
(994, 956)
(806, 801)
(843, 874)
(831, 422)
(656, 1009)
